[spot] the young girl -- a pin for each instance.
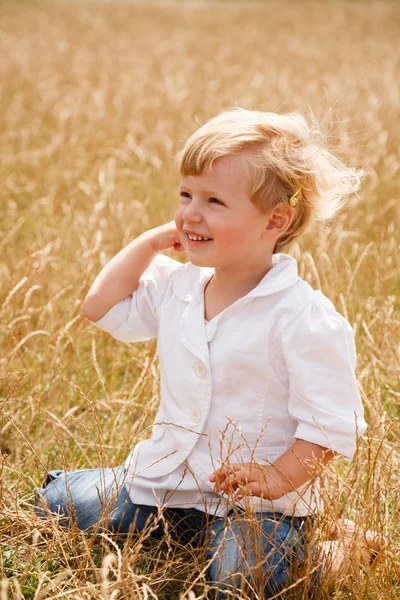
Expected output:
(258, 390)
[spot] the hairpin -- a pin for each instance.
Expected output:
(293, 199)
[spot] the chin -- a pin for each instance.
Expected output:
(197, 261)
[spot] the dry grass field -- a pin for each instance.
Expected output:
(96, 99)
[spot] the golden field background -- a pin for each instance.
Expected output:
(96, 100)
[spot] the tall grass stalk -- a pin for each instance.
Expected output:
(96, 100)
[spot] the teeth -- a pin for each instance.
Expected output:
(196, 237)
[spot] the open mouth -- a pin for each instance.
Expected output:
(197, 240)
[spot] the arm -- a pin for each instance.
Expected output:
(298, 465)
(120, 277)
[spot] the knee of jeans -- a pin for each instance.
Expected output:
(228, 579)
(235, 568)
(51, 476)
(40, 507)
(225, 572)
(45, 509)
(223, 582)
(275, 581)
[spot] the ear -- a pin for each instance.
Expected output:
(279, 220)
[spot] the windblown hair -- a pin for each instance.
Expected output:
(281, 153)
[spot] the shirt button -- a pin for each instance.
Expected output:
(200, 369)
(195, 415)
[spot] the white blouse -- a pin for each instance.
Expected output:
(276, 365)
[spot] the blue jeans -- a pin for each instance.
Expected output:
(97, 500)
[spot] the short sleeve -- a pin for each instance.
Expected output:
(135, 319)
(320, 356)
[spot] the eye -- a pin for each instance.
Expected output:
(215, 200)
(185, 194)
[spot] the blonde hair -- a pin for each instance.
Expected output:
(283, 153)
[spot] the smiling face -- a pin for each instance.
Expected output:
(216, 205)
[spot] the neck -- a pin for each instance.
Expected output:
(240, 280)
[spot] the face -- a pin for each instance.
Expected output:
(216, 205)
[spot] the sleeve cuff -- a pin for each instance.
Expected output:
(115, 317)
(344, 445)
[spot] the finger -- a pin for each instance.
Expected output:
(256, 489)
(217, 475)
(242, 476)
(251, 489)
(244, 490)
(224, 471)
(225, 483)
(232, 479)
(219, 484)
(229, 468)
(260, 489)
(224, 478)
(229, 484)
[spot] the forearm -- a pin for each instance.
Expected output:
(300, 463)
(294, 468)
(120, 277)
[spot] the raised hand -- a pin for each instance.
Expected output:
(121, 275)
(165, 237)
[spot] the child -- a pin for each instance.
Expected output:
(258, 390)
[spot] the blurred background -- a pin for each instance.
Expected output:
(96, 99)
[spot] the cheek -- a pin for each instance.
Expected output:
(230, 239)
(178, 218)
(178, 223)
(233, 233)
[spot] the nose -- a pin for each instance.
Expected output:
(192, 212)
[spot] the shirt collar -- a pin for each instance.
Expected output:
(283, 274)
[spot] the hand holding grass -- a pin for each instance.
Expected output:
(249, 479)
(298, 465)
